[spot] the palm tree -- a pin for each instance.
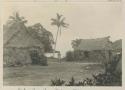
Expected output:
(75, 43)
(15, 23)
(59, 22)
(16, 20)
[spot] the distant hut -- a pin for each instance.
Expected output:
(117, 51)
(20, 47)
(117, 46)
(98, 48)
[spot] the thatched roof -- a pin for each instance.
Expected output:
(117, 45)
(94, 44)
(20, 37)
(8, 33)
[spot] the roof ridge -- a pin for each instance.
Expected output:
(14, 34)
(97, 38)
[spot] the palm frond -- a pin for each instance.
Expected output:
(10, 23)
(62, 19)
(22, 17)
(17, 15)
(24, 21)
(54, 22)
(63, 24)
(59, 16)
(11, 17)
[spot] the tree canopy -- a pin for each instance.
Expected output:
(43, 35)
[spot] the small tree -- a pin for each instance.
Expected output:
(16, 21)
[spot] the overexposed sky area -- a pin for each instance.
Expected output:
(86, 20)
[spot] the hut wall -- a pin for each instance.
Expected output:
(18, 56)
(97, 56)
(93, 56)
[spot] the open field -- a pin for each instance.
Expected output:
(42, 75)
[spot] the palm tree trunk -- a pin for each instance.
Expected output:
(56, 41)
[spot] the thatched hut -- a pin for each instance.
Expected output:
(20, 47)
(117, 46)
(98, 48)
(117, 51)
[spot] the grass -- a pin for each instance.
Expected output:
(42, 75)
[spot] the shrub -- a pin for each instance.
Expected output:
(112, 64)
(86, 82)
(71, 82)
(76, 55)
(57, 82)
(43, 60)
(69, 56)
(107, 79)
(102, 79)
(110, 77)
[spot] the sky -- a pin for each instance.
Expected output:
(86, 20)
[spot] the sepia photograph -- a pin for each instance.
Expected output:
(62, 44)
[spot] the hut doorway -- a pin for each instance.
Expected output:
(35, 58)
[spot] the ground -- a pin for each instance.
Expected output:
(36, 75)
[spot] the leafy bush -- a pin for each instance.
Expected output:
(85, 82)
(74, 55)
(102, 79)
(57, 82)
(107, 79)
(71, 82)
(69, 56)
(110, 77)
(77, 55)
(111, 66)
(45, 36)
(43, 60)
(86, 53)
